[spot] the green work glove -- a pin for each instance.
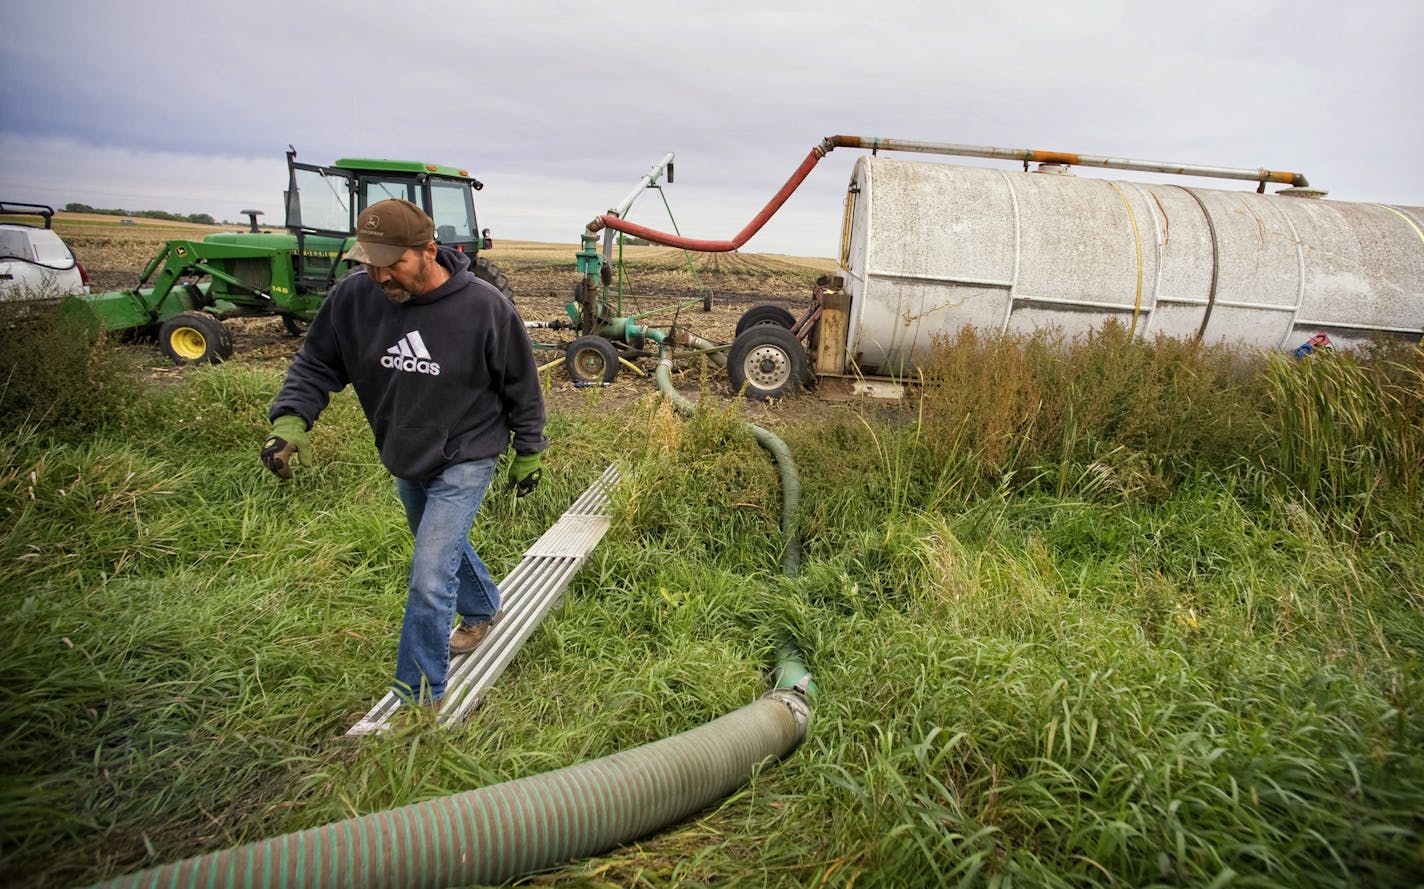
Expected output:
(524, 473)
(288, 438)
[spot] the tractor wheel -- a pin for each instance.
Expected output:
(590, 360)
(295, 326)
(768, 360)
(765, 313)
(195, 338)
(490, 273)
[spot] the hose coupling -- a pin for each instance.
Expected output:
(794, 701)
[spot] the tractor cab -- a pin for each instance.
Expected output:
(323, 203)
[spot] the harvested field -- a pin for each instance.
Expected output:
(662, 286)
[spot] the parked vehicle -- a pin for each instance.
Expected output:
(36, 266)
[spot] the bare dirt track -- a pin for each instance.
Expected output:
(661, 286)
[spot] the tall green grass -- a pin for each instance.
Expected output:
(1059, 643)
(1132, 407)
(1118, 416)
(56, 374)
(1349, 428)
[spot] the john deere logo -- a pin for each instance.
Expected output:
(373, 222)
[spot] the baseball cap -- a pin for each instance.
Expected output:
(386, 228)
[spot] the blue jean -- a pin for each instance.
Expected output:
(446, 574)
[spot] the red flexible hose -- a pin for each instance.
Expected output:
(608, 220)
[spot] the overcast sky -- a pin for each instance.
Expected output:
(561, 107)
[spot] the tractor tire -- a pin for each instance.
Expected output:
(491, 274)
(195, 338)
(591, 360)
(768, 360)
(765, 313)
(295, 326)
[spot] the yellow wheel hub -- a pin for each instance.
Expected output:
(188, 343)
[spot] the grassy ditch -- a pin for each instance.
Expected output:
(1058, 644)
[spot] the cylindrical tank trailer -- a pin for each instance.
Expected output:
(929, 248)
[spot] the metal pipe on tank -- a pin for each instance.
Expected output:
(1029, 155)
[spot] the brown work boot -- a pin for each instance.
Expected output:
(467, 636)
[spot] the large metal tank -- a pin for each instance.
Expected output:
(929, 248)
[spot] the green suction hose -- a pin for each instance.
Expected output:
(790, 478)
(500, 832)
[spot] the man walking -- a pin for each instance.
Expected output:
(444, 371)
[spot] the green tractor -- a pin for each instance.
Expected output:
(187, 290)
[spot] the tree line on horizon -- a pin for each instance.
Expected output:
(200, 218)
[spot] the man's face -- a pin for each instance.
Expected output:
(410, 276)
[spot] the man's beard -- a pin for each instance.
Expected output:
(397, 296)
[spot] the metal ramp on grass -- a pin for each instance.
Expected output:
(529, 593)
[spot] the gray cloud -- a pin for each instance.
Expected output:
(560, 107)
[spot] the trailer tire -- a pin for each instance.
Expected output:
(492, 274)
(195, 338)
(590, 360)
(767, 361)
(295, 326)
(765, 313)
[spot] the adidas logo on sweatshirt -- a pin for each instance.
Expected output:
(409, 354)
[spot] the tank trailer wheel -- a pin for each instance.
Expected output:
(590, 360)
(295, 326)
(765, 313)
(768, 360)
(195, 338)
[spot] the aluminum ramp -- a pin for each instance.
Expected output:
(529, 593)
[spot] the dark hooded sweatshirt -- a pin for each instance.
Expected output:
(445, 378)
